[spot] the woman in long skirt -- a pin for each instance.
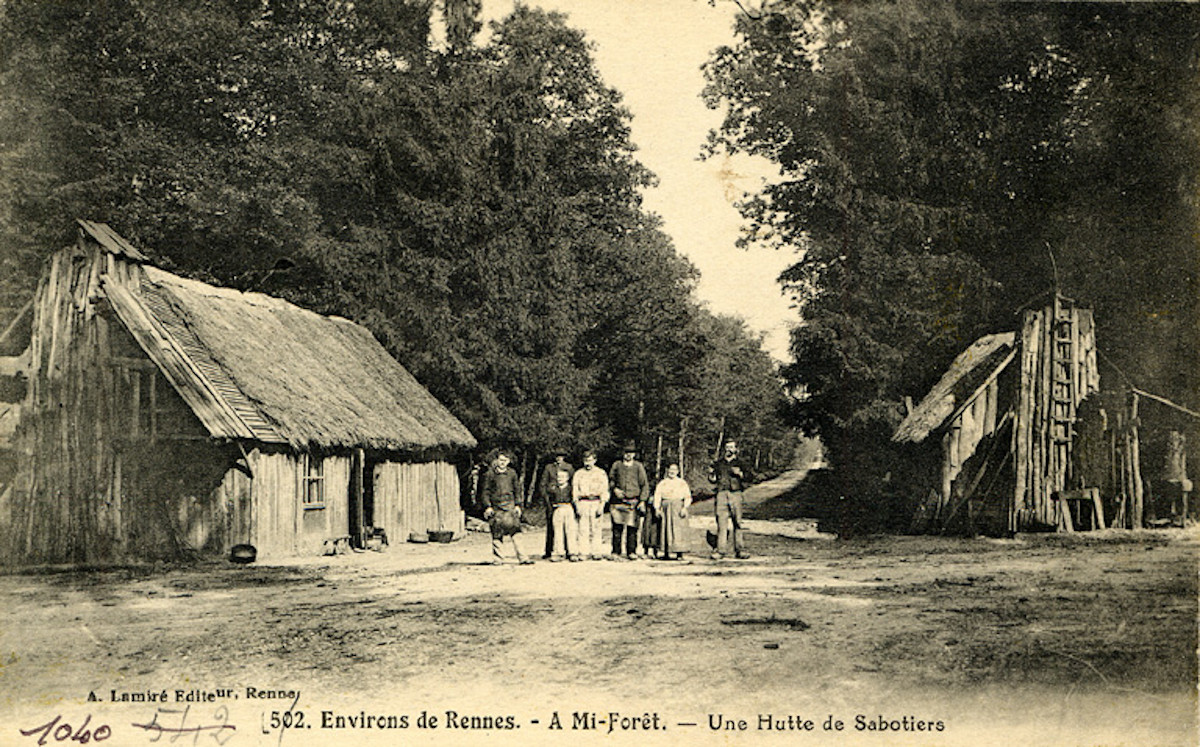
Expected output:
(672, 498)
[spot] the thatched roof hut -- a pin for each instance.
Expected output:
(1005, 414)
(166, 416)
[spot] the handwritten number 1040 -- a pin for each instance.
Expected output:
(62, 732)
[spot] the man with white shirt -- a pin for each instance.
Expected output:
(589, 486)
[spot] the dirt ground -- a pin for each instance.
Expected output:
(1083, 639)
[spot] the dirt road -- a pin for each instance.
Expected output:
(1084, 639)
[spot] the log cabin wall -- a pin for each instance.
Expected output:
(984, 481)
(1058, 370)
(68, 504)
(114, 463)
(417, 497)
(969, 476)
(976, 421)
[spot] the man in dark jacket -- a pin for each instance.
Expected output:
(729, 475)
(501, 499)
(630, 491)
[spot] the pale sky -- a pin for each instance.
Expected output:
(651, 51)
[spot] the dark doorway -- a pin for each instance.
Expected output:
(369, 492)
(362, 498)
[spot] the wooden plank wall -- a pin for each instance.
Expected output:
(417, 497)
(1023, 446)
(63, 506)
(93, 487)
(279, 524)
(235, 494)
(317, 525)
(273, 500)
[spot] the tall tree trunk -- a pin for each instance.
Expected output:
(720, 440)
(530, 476)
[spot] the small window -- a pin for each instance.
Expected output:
(312, 482)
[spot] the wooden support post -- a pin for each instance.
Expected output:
(1046, 470)
(1065, 522)
(947, 472)
(1097, 508)
(1083, 497)
(1126, 508)
(135, 378)
(152, 420)
(1135, 466)
(1075, 397)
(1022, 432)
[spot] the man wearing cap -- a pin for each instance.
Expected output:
(630, 490)
(730, 475)
(546, 487)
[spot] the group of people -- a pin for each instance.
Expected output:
(644, 524)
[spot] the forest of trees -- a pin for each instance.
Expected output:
(475, 202)
(944, 165)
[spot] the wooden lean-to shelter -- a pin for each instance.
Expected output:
(166, 417)
(1004, 415)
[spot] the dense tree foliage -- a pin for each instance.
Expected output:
(475, 204)
(944, 164)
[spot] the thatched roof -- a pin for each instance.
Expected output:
(256, 367)
(962, 380)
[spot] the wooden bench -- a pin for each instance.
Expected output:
(1078, 499)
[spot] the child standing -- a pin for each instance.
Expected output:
(563, 518)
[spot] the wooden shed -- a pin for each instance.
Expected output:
(1005, 416)
(167, 417)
